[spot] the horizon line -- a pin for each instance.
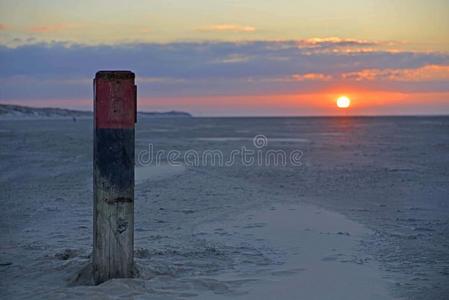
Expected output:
(256, 116)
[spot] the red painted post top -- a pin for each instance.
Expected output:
(115, 96)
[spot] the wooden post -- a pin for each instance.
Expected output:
(114, 119)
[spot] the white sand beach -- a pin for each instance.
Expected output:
(324, 230)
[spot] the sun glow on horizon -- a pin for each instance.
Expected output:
(343, 102)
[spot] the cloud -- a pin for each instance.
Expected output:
(159, 80)
(346, 45)
(311, 76)
(424, 73)
(61, 70)
(335, 41)
(228, 28)
(3, 27)
(51, 28)
(233, 59)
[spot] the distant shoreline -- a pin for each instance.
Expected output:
(21, 112)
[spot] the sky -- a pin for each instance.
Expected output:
(232, 58)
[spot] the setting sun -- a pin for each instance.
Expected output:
(343, 102)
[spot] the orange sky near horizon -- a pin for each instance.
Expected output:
(363, 103)
(316, 104)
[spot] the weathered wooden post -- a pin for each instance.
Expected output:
(115, 114)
